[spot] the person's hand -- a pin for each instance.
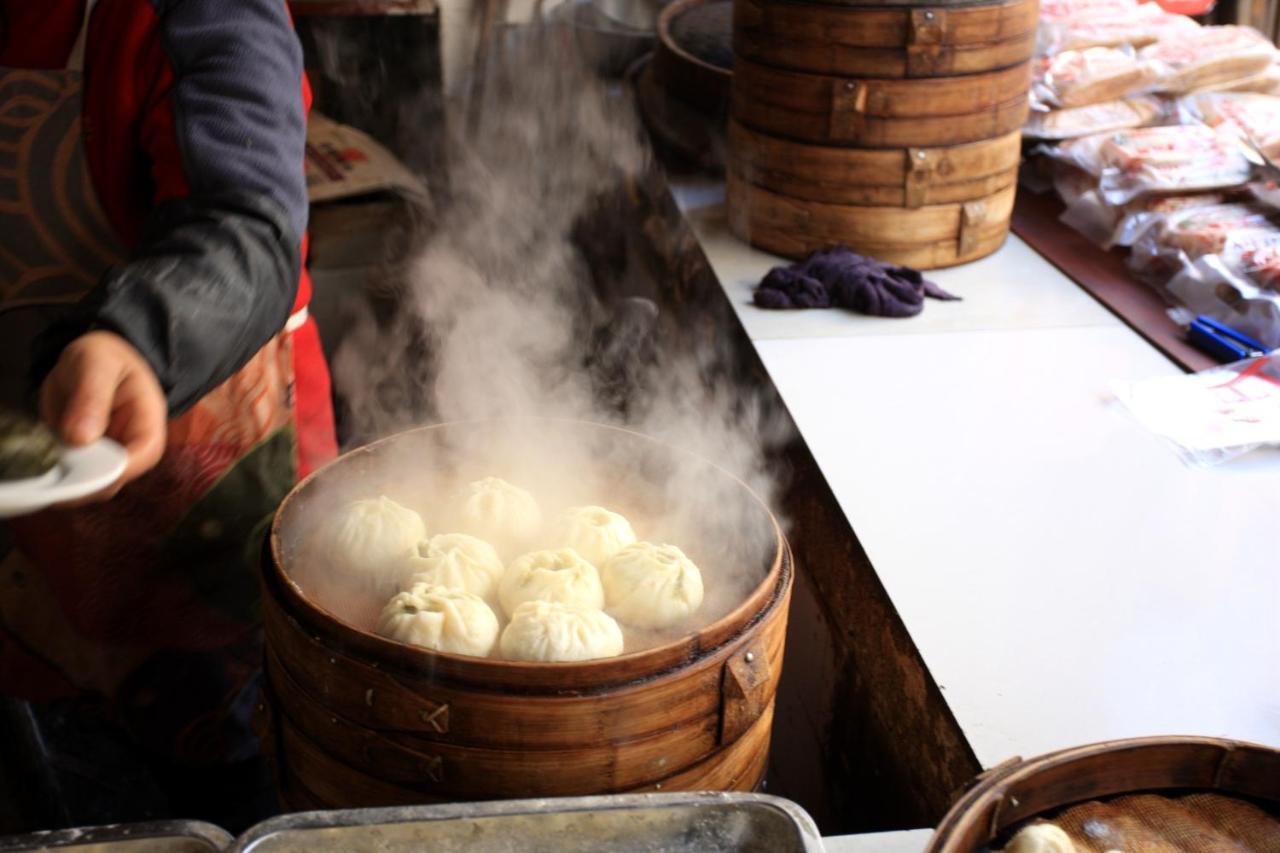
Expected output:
(101, 386)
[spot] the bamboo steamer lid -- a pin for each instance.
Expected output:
(908, 177)
(926, 237)
(880, 112)
(888, 41)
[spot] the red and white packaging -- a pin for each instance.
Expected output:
(1253, 117)
(1209, 56)
(1206, 230)
(1169, 160)
(1111, 225)
(1264, 83)
(1077, 78)
(1256, 255)
(1076, 122)
(1136, 25)
(1183, 237)
(1056, 11)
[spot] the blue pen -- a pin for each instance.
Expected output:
(1219, 347)
(1234, 335)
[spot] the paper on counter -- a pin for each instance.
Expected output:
(1214, 415)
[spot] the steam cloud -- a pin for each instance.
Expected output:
(502, 322)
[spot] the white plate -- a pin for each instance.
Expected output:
(80, 472)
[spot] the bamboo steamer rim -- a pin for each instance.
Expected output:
(667, 41)
(892, 160)
(904, 11)
(991, 804)
(490, 672)
(1011, 82)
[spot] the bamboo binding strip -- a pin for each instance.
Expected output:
(880, 113)
(910, 177)
(925, 237)
(930, 41)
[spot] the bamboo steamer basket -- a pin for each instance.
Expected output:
(682, 74)
(928, 237)
(1020, 790)
(894, 41)
(351, 719)
(910, 177)
(879, 113)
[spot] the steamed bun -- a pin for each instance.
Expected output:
(549, 631)
(457, 561)
(498, 512)
(594, 532)
(444, 620)
(651, 586)
(371, 539)
(1041, 838)
(560, 575)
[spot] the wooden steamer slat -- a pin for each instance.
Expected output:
(316, 779)
(925, 237)
(929, 41)
(880, 113)
(911, 177)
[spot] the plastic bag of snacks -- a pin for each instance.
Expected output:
(1254, 117)
(1096, 118)
(1187, 235)
(1072, 183)
(1111, 225)
(1169, 160)
(1264, 82)
(1209, 56)
(1210, 285)
(1104, 25)
(1238, 284)
(1077, 78)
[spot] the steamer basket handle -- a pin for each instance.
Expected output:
(998, 770)
(744, 691)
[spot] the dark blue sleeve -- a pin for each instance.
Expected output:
(216, 273)
(237, 98)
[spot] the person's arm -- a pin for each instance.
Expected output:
(215, 274)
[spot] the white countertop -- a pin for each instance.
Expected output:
(1066, 578)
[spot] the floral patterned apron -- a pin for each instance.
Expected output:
(148, 600)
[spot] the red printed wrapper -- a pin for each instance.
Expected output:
(1076, 78)
(1255, 254)
(1209, 56)
(1206, 230)
(1135, 26)
(1169, 160)
(1123, 225)
(1254, 117)
(1076, 122)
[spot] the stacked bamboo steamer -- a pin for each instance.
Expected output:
(888, 127)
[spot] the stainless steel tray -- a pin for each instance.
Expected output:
(632, 823)
(169, 836)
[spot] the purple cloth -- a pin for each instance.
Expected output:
(840, 277)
